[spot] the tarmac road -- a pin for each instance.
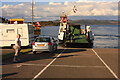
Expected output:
(67, 63)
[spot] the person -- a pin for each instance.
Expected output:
(17, 48)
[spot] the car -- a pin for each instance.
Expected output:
(44, 43)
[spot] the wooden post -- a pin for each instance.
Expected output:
(32, 10)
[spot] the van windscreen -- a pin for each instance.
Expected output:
(42, 39)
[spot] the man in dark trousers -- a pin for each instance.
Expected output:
(17, 48)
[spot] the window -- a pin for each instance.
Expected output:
(10, 31)
(42, 39)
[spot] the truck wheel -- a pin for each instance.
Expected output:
(65, 45)
(34, 52)
(56, 48)
(90, 45)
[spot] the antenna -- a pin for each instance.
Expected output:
(32, 10)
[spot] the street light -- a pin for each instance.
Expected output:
(32, 10)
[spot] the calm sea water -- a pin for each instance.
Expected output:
(105, 36)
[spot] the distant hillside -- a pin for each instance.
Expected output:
(80, 22)
(48, 23)
(95, 22)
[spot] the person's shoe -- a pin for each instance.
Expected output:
(15, 61)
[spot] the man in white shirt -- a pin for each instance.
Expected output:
(17, 48)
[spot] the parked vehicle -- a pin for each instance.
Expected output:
(8, 33)
(73, 35)
(78, 36)
(44, 43)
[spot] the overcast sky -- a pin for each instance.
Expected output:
(52, 9)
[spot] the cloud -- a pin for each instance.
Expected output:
(84, 1)
(52, 3)
(21, 4)
(66, 3)
(19, 10)
(53, 12)
(104, 12)
(96, 1)
(5, 6)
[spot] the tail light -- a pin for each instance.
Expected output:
(86, 37)
(33, 43)
(49, 43)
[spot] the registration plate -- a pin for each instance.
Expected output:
(41, 44)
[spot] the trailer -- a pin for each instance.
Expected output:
(8, 34)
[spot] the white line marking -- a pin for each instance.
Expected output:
(47, 66)
(18, 65)
(64, 66)
(105, 64)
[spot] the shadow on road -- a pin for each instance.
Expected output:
(5, 75)
(73, 50)
(5, 47)
(29, 56)
(10, 47)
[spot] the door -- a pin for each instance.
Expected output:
(1, 37)
(20, 31)
(9, 36)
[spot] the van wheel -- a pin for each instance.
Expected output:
(12, 45)
(52, 53)
(34, 52)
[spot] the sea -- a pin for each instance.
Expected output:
(105, 36)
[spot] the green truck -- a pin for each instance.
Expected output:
(77, 36)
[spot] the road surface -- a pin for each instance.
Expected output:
(66, 63)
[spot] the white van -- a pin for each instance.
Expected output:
(8, 34)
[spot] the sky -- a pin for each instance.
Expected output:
(52, 9)
(55, 0)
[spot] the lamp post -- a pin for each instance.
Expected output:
(32, 10)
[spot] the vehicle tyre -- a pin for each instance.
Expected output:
(34, 52)
(52, 52)
(65, 45)
(56, 48)
(90, 45)
(12, 45)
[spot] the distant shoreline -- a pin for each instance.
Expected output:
(95, 22)
(80, 22)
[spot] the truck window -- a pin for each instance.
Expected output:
(10, 31)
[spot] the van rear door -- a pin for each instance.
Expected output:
(8, 36)
(20, 31)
